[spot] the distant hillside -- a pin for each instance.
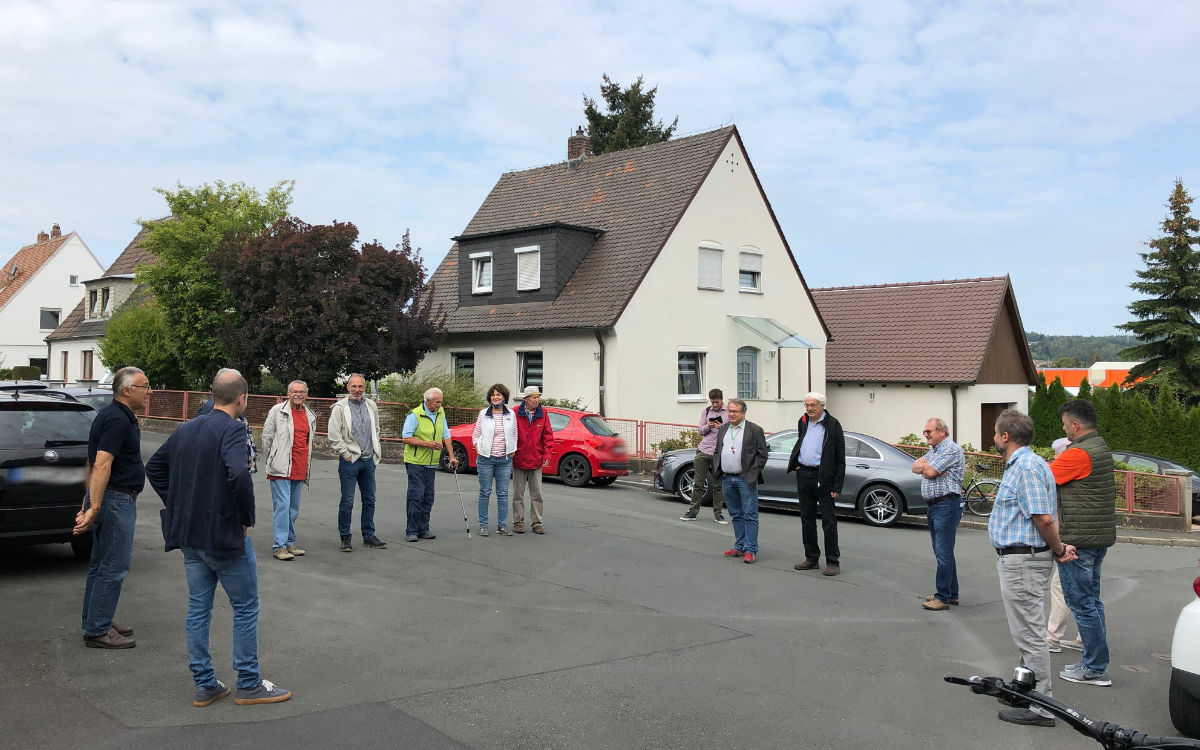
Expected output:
(1087, 349)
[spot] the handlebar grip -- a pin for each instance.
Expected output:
(1137, 739)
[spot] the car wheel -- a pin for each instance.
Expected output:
(685, 479)
(574, 470)
(1185, 708)
(81, 546)
(460, 453)
(880, 505)
(603, 481)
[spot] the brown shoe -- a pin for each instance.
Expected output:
(934, 596)
(806, 565)
(539, 529)
(519, 527)
(281, 553)
(295, 550)
(831, 570)
(111, 639)
(935, 605)
(122, 630)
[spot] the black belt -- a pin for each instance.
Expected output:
(1021, 549)
(810, 468)
(123, 490)
(939, 498)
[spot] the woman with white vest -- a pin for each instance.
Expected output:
(495, 439)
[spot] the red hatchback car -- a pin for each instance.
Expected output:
(585, 447)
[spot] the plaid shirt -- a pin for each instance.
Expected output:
(946, 458)
(1027, 489)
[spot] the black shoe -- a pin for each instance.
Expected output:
(374, 542)
(1026, 717)
(346, 544)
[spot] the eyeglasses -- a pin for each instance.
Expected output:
(135, 385)
(734, 411)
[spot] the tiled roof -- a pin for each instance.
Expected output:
(922, 332)
(28, 260)
(636, 196)
(74, 326)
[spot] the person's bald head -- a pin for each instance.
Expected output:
(228, 386)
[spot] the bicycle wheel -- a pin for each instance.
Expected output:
(980, 496)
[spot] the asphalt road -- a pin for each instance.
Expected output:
(621, 627)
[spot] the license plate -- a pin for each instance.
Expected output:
(619, 449)
(47, 475)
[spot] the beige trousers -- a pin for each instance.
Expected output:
(1060, 615)
(533, 479)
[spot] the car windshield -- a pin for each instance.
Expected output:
(25, 427)
(598, 427)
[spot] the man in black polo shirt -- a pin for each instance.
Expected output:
(116, 476)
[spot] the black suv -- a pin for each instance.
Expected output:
(43, 467)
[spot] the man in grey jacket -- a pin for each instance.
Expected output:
(287, 437)
(741, 455)
(354, 434)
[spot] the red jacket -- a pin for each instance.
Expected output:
(535, 439)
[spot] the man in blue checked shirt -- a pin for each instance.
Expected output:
(941, 470)
(1023, 527)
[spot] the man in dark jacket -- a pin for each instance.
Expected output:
(819, 460)
(535, 445)
(741, 454)
(202, 475)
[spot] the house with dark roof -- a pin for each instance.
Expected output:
(904, 353)
(634, 281)
(37, 285)
(73, 347)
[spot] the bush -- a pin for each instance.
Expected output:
(686, 439)
(912, 439)
(457, 390)
(271, 385)
(563, 403)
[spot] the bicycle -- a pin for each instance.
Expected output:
(1020, 693)
(980, 493)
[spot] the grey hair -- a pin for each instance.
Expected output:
(354, 375)
(228, 384)
(430, 393)
(301, 382)
(740, 403)
(818, 396)
(1018, 426)
(939, 424)
(124, 379)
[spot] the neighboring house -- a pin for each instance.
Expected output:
(634, 281)
(74, 346)
(1099, 375)
(903, 353)
(37, 286)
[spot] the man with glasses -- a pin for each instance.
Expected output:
(116, 476)
(941, 470)
(287, 442)
(741, 454)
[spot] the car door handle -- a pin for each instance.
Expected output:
(862, 466)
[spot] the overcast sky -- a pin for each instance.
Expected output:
(896, 141)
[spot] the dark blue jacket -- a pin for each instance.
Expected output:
(202, 476)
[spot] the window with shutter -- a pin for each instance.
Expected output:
(529, 268)
(481, 273)
(749, 272)
(709, 275)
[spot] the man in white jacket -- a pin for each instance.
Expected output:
(354, 434)
(287, 439)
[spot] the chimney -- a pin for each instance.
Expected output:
(55, 232)
(578, 145)
(42, 237)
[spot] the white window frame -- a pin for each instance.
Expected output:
(476, 287)
(454, 366)
(74, 280)
(753, 374)
(705, 278)
(700, 355)
(523, 365)
(106, 300)
(750, 261)
(525, 252)
(44, 310)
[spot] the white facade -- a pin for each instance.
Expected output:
(670, 315)
(22, 333)
(77, 352)
(893, 410)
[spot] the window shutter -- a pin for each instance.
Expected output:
(529, 270)
(709, 274)
(750, 262)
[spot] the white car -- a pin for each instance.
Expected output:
(1184, 696)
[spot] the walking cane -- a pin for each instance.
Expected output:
(460, 501)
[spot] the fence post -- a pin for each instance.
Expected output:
(1184, 481)
(1129, 492)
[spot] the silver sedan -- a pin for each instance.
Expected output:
(879, 484)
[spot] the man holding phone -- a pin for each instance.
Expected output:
(711, 418)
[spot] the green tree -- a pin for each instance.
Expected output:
(1166, 317)
(188, 289)
(1068, 362)
(1085, 390)
(629, 122)
(137, 336)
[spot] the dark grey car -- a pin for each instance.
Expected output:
(879, 484)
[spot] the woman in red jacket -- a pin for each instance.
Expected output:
(535, 443)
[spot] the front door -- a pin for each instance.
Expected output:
(988, 413)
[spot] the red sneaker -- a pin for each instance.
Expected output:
(748, 558)
(733, 553)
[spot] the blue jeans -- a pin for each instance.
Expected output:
(362, 473)
(1081, 588)
(112, 549)
(285, 504)
(420, 497)
(239, 577)
(741, 500)
(943, 520)
(500, 470)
